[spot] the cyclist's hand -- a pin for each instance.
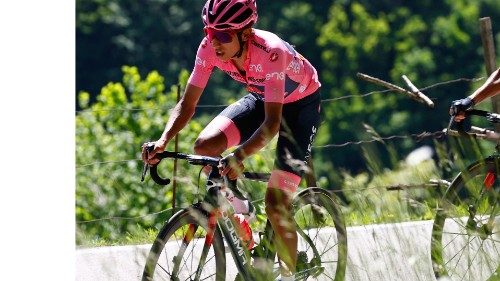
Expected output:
(458, 108)
(149, 150)
(231, 166)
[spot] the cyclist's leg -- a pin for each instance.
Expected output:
(299, 125)
(279, 213)
(232, 126)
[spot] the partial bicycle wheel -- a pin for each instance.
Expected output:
(180, 250)
(322, 241)
(465, 241)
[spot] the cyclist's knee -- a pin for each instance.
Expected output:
(208, 146)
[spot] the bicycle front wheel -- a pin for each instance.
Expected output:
(322, 243)
(183, 251)
(465, 234)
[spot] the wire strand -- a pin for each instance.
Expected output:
(324, 100)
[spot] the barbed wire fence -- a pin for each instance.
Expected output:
(416, 136)
(323, 100)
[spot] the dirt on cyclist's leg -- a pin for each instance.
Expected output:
(278, 210)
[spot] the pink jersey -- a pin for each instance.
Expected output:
(274, 70)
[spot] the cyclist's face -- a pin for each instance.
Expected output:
(225, 43)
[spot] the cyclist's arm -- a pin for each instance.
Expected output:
(181, 113)
(490, 88)
(273, 106)
(264, 133)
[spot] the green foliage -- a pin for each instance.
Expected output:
(371, 202)
(111, 202)
(429, 41)
(109, 135)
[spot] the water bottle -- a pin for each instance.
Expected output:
(240, 206)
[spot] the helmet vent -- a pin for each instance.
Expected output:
(243, 16)
(231, 12)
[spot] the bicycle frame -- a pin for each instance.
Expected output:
(219, 214)
(222, 213)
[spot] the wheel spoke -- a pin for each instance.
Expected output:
(179, 249)
(308, 230)
(461, 251)
(316, 214)
(327, 275)
(329, 249)
(466, 227)
(326, 250)
(470, 263)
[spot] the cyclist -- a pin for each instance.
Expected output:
(490, 88)
(283, 99)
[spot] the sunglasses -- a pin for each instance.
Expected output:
(221, 36)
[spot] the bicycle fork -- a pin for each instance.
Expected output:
(188, 237)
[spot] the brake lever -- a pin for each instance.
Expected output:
(144, 172)
(462, 127)
(450, 123)
(149, 147)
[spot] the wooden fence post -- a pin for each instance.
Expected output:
(176, 149)
(489, 58)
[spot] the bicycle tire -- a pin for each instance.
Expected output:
(468, 214)
(175, 226)
(333, 243)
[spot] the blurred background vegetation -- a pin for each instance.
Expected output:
(130, 55)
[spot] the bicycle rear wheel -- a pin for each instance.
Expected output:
(465, 241)
(181, 250)
(322, 241)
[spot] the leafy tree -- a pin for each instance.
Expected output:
(429, 42)
(109, 135)
(152, 35)
(110, 198)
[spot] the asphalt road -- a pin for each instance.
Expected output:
(375, 252)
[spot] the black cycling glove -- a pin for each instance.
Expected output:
(460, 106)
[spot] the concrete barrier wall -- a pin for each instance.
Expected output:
(375, 252)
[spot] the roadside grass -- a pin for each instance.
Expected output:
(371, 202)
(368, 202)
(138, 237)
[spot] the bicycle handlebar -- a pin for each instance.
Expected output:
(476, 131)
(192, 159)
(492, 117)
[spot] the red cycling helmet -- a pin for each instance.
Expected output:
(229, 14)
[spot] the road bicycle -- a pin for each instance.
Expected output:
(192, 244)
(465, 243)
